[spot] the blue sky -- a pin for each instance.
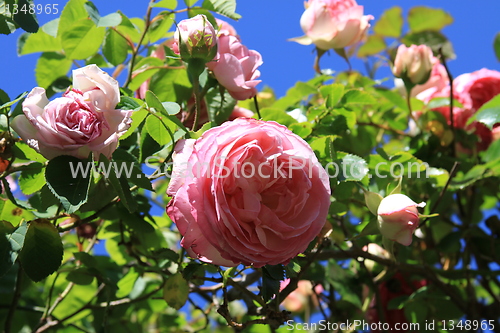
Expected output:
(267, 24)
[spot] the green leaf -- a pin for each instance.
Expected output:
(82, 40)
(50, 27)
(390, 23)
(176, 291)
(160, 26)
(126, 284)
(39, 42)
(434, 39)
(137, 119)
(66, 182)
(32, 178)
(168, 4)
(24, 19)
(372, 201)
(145, 69)
(81, 276)
(154, 102)
(110, 20)
(92, 11)
(271, 277)
(11, 241)
(137, 177)
(42, 250)
(119, 184)
(115, 48)
(73, 11)
(50, 66)
(488, 114)
(333, 93)
(496, 46)
(223, 7)
(373, 45)
(424, 18)
(278, 116)
(190, 3)
(354, 167)
(220, 105)
(158, 130)
(7, 25)
(493, 152)
(357, 97)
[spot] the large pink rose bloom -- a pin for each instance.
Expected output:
(248, 191)
(333, 24)
(235, 67)
(83, 120)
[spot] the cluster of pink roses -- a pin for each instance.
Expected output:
(472, 90)
(429, 80)
(234, 65)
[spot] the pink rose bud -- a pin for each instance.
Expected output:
(398, 218)
(333, 24)
(247, 191)
(196, 38)
(413, 64)
(83, 120)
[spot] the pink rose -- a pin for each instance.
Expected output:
(398, 218)
(413, 64)
(83, 120)
(195, 38)
(235, 67)
(248, 191)
(333, 24)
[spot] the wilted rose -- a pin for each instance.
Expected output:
(235, 67)
(333, 24)
(398, 218)
(248, 191)
(83, 120)
(413, 63)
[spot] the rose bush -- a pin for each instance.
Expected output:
(82, 121)
(248, 192)
(333, 24)
(398, 218)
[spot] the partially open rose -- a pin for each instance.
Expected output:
(83, 120)
(248, 191)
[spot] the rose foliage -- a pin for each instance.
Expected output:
(150, 182)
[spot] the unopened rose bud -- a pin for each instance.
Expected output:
(398, 218)
(196, 38)
(413, 64)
